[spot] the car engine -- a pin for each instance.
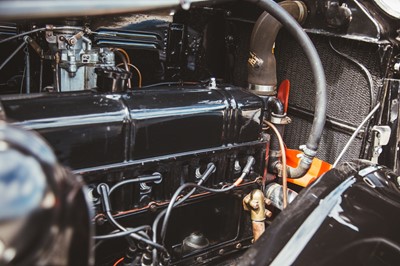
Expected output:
(199, 132)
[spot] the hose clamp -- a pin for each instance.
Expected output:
(280, 119)
(308, 152)
(302, 12)
(266, 90)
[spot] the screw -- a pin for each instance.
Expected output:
(238, 246)
(221, 251)
(199, 259)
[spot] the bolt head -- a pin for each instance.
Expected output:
(153, 207)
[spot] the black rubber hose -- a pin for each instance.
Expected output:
(262, 63)
(317, 70)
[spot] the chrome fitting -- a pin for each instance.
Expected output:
(266, 90)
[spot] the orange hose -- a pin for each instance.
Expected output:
(118, 261)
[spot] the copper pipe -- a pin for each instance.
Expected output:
(283, 165)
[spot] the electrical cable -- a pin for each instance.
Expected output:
(284, 165)
(21, 34)
(138, 72)
(123, 233)
(171, 205)
(354, 135)
(118, 261)
(104, 191)
(363, 69)
(156, 178)
(128, 59)
(177, 194)
(203, 178)
(40, 29)
(124, 61)
(371, 89)
(12, 55)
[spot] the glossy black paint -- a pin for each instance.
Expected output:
(366, 22)
(45, 216)
(219, 217)
(365, 232)
(84, 129)
(91, 129)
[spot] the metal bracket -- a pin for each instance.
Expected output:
(381, 138)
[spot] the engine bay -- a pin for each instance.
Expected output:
(200, 132)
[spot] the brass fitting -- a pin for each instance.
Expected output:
(255, 203)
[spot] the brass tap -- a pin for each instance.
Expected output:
(255, 203)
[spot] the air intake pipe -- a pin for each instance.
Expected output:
(262, 66)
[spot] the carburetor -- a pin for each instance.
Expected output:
(74, 58)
